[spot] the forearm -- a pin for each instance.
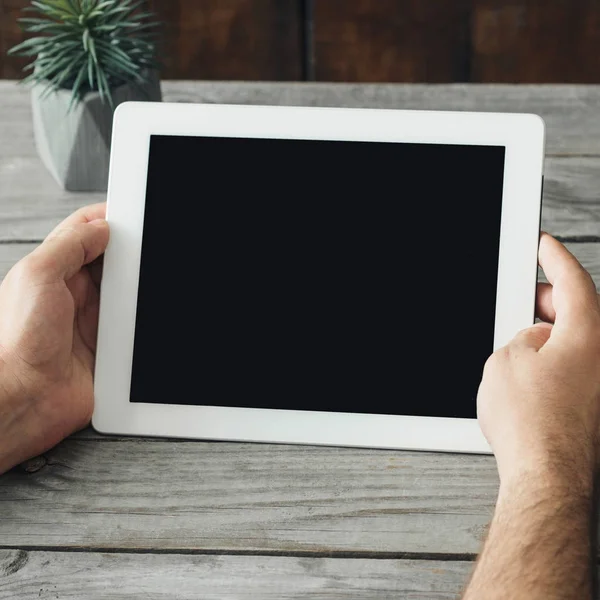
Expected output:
(540, 541)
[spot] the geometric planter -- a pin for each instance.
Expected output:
(75, 145)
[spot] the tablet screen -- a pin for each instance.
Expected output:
(317, 275)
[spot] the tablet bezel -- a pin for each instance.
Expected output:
(134, 122)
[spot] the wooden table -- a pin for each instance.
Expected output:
(104, 517)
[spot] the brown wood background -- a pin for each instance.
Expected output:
(528, 41)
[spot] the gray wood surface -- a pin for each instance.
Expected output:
(108, 517)
(228, 497)
(570, 111)
(74, 576)
(31, 203)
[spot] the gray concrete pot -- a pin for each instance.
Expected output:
(75, 146)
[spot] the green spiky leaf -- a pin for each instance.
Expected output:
(88, 45)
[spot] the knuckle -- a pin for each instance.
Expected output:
(37, 262)
(33, 266)
(496, 359)
(73, 234)
(589, 277)
(594, 337)
(588, 336)
(72, 239)
(27, 267)
(64, 232)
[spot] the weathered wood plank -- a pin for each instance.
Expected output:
(571, 200)
(588, 254)
(10, 254)
(224, 497)
(71, 576)
(31, 203)
(570, 111)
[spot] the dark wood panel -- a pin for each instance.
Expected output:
(204, 39)
(391, 40)
(516, 41)
(536, 41)
(2, 43)
(11, 34)
(231, 39)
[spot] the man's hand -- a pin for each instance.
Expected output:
(539, 407)
(48, 325)
(539, 400)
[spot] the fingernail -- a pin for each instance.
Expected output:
(97, 222)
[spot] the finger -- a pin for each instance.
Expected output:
(574, 297)
(87, 318)
(67, 249)
(78, 286)
(544, 309)
(95, 269)
(532, 338)
(85, 214)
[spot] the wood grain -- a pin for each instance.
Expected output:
(2, 36)
(10, 35)
(231, 39)
(571, 197)
(97, 493)
(206, 39)
(570, 111)
(386, 41)
(520, 41)
(226, 497)
(102, 492)
(10, 254)
(69, 576)
(31, 203)
(534, 42)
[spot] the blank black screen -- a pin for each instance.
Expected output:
(317, 275)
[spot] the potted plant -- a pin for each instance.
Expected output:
(89, 56)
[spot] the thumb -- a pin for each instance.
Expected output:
(67, 249)
(533, 338)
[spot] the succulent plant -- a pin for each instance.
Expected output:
(89, 45)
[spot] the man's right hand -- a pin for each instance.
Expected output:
(539, 399)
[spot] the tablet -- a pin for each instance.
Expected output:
(313, 275)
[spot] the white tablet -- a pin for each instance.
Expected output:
(313, 275)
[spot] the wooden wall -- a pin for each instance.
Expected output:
(368, 40)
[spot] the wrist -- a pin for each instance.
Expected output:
(566, 457)
(16, 416)
(551, 476)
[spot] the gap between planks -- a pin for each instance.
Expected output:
(333, 554)
(341, 554)
(565, 239)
